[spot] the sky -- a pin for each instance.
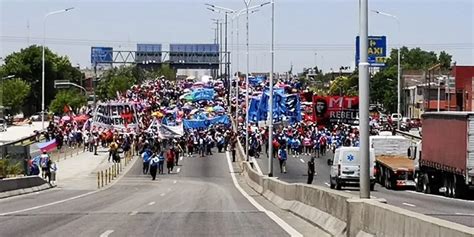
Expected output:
(307, 32)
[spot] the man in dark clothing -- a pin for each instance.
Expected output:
(311, 171)
(233, 143)
(153, 167)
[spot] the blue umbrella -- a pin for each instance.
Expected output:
(218, 108)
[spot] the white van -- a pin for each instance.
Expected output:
(345, 168)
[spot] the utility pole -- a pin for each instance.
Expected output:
(270, 111)
(364, 101)
(227, 78)
(220, 47)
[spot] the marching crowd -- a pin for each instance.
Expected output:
(167, 102)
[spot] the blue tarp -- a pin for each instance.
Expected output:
(201, 123)
(284, 105)
(254, 81)
(203, 94)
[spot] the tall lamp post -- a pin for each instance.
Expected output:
(399, 83)
(364, 100)
(42, 59)
(270, 123)
(247, 11)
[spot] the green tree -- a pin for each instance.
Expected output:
(117, 80)
(165, 70)
(343, 85)
(71, 97)
(26, 64)
(14, 94)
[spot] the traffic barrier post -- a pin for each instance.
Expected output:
(98, 180)
(102, 178)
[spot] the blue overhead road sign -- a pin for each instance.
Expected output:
(377, 51)
(101, 55)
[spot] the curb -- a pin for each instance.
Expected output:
(18, 192)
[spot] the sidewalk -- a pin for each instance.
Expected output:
(80, 171)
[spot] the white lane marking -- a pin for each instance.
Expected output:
(290, 230)
(162, 194)
(71, 198)
(257, 167)
(347, 191)
(464, 214)
(409, 204)
(49, 204)
(133, 213)
(179, 169)
(174, 182)
(151, 203)
(439, 196)
(181, 158)
(106, 233)
(327, 184)
(302, 161)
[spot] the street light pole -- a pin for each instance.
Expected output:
(247, 3)
(364, 101)
(42, 60)
(399, 82)
(270, 111)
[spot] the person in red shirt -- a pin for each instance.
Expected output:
(170, 154)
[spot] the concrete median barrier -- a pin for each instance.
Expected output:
(20, 183)
(379, 219)
(342, 214)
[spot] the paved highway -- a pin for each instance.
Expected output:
(16, 132)
(456, 210)
(202, 198)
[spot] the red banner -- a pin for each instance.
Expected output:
(335, 109)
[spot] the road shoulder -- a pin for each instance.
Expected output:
(299, 224)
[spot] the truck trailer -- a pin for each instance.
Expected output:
(446, 163)
(393, 168)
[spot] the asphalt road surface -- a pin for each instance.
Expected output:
(455, 210)
(198, 199)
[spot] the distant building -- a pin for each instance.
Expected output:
(464, 80)
(423, 90)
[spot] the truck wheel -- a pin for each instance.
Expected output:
(426, 184)
(388, 183)
(418, 184)
(458, 187)
(338, 185)
(447, 185)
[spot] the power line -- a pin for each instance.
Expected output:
(254, 47)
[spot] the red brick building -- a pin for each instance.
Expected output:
(464, 76)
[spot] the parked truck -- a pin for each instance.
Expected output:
(446, 163)
(393, 168)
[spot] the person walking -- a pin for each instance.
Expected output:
(113, 147)
(161, 162)
(178, 151)
(282, 156)
(52, 170)
(233, 143)
(311, 171)
(147, 155)
(170, 160)
(154, 163)
(44, 159)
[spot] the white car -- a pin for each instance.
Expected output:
(345, 168)
(396, 117)
(3, 125)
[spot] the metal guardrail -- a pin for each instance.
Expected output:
(409, 135)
